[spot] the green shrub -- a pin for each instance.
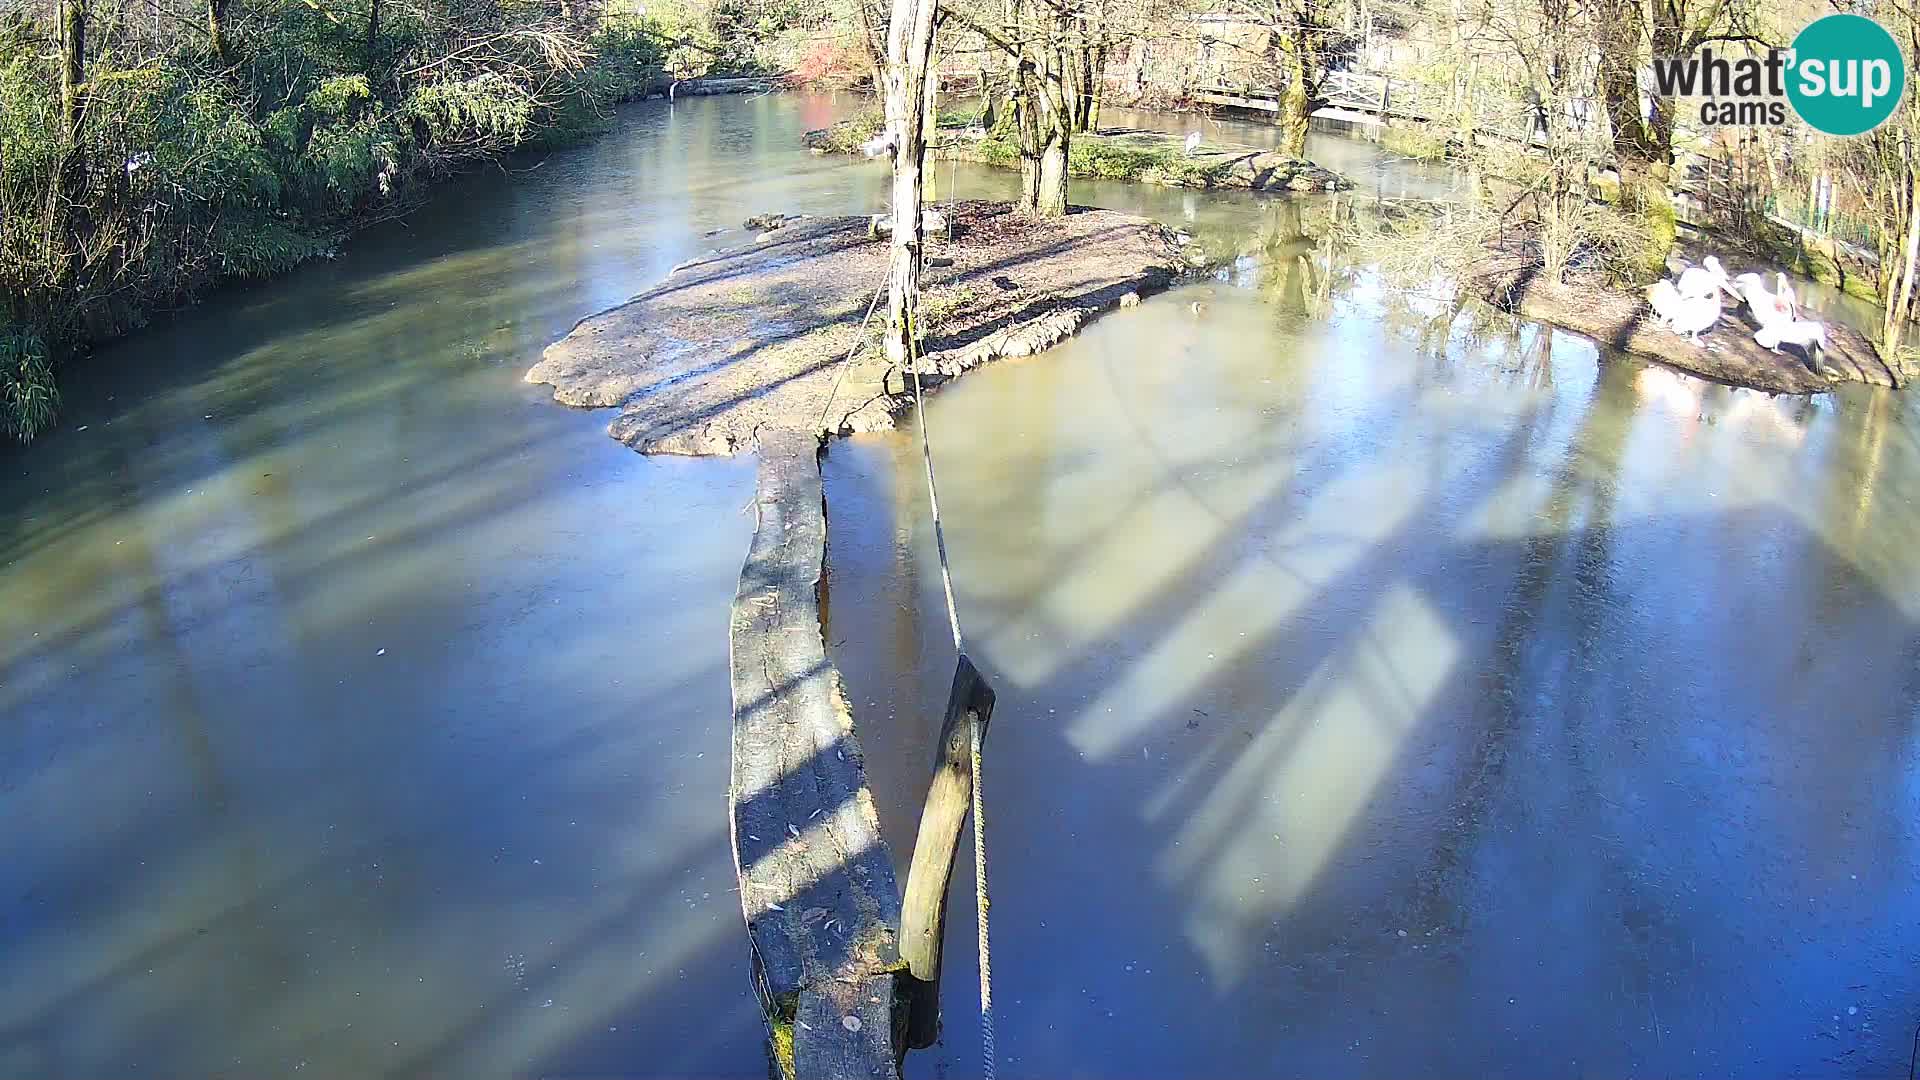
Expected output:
(28, 396)
(1110, 161)
(957, 119)
(192, 170)
(847, 136)
(1419, 142)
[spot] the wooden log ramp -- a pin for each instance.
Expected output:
(841, 996)
(816, 883)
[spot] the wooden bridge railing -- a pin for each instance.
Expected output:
(1366, 98)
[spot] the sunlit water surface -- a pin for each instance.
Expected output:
(1382, 702)
(1376, 698)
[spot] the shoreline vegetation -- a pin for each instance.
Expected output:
(143, 163)
(1146, 157)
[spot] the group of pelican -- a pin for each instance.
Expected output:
(1691, 305)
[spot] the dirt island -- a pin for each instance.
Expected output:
(753, 337)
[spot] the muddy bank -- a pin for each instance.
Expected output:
(752, 338)
(1727, 353)
(1148, 157)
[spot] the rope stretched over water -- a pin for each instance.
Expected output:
(988, 1054)
(933, 495)
(859, 338)
(981, 901)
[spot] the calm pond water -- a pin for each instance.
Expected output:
(364, 713)
(1378, 706)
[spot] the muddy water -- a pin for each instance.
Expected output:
(362, 712)
(1380, 705)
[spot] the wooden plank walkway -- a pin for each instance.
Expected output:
(816, 883)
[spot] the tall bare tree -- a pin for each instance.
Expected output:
(909, 55)
(1046, 43)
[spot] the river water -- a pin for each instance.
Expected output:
(1376, 698)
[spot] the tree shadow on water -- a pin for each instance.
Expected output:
(1443, 763)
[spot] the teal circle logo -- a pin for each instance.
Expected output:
(1846, 74)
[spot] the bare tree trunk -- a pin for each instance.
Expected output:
(1046, 135)
(66, 225)
(1050, 198)
(73, 66)
(1639, 149)
(217, 29)
(1295, 105)
(909, 51)
(373, 34)
(1900, 299)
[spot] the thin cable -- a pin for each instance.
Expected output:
(859, 338)
(933, 494)
(953, 192)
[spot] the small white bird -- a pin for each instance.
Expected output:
(1767, 307)
(1810, 336)
(1704, 280)
(1193, 142)
(879, 146)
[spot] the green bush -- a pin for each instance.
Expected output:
(28, 396)
(1419, 142)
(1108, 161)
(191, 170)
(849, 135)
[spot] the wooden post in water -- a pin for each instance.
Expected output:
(923, 915)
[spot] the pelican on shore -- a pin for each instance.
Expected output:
(1706, 279)
(1691, 316)
(1768, 307)
(1809, 335)
(1665, 300)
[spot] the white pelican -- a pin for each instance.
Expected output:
(1693, 315)
(1768, 307)
(1806, 333)
(1704, 280)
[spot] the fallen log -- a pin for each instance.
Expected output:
(816, 882)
